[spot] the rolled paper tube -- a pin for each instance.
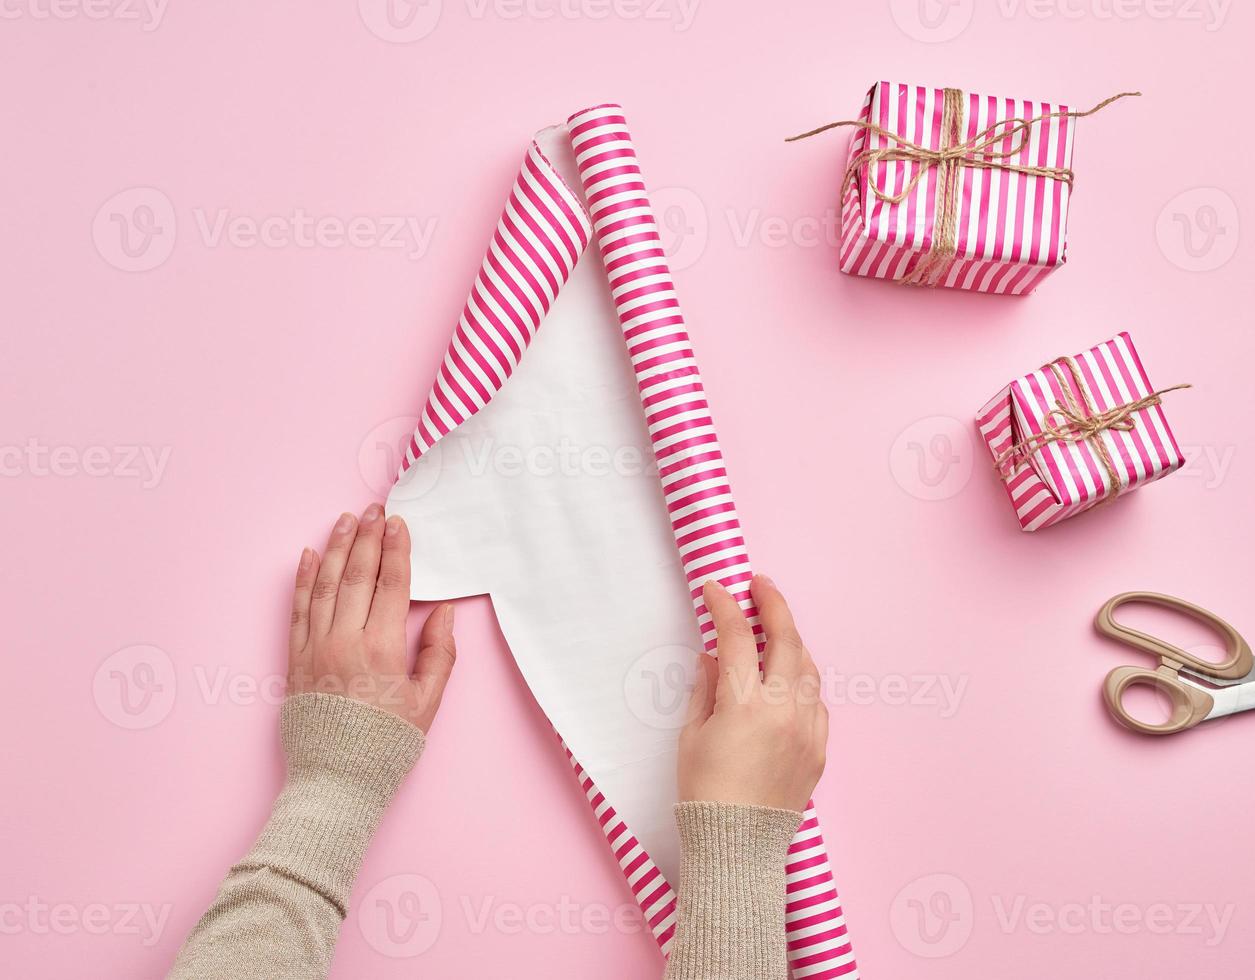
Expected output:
(694, 479)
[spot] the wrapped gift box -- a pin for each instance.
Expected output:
(1006, 228)
(1077, 432)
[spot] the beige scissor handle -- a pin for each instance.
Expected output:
(1190, 705)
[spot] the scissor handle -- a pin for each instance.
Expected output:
(1190, 705)
(1238, 659)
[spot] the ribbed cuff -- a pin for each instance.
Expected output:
(345, 762)
(730, 914)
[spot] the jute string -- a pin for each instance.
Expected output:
(954, 154)
(1072, 421)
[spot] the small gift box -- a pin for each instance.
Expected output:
(949, 188)
(1078, 432)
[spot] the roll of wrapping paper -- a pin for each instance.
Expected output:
(690, 465)
(540, 237)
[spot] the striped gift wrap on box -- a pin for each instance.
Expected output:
(1012, 227)
(1065, 478)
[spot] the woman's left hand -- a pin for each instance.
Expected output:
(348, 622)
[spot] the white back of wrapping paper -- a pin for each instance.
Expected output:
(548, 500)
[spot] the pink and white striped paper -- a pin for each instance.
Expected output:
(1012, 228)
(691, 467)
(540, 236)
(1063, 479)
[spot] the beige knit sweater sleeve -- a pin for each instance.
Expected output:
(278, 913)
(730, 907)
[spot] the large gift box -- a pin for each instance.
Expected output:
(950, 188)
(1078, 432)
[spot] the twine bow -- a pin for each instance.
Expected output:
(1072, 421)
(955, 153)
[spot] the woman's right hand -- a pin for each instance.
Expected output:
(752, 740)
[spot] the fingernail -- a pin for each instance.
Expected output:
(393, 526)
(307, 556)
(766, 580)
(713, 583)
(345, 523)
(372, 513)
(448, 616)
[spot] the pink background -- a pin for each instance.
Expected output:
(982, 830)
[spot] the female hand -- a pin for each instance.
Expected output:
(348, 622)
(751, 740)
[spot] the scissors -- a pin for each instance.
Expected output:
(1229, 685)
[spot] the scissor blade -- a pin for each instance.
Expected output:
(1229, 700)
(1206, 678)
